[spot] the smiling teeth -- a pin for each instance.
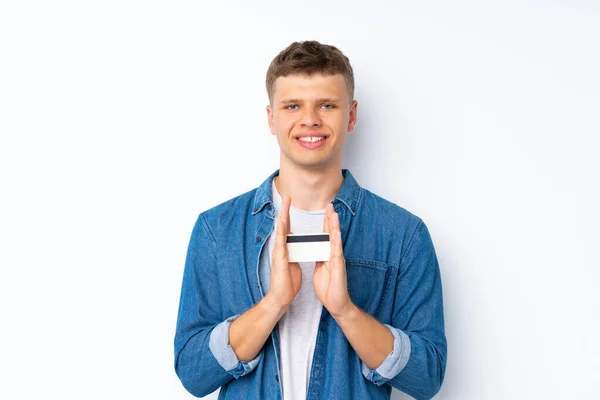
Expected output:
(312, 139)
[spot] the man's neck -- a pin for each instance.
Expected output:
(310, 190)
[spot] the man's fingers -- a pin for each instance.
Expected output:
(326, 220)
(285, 213)
(335, 234)
(335, 224)
(280, 238)
(283, 228)
(339, 249)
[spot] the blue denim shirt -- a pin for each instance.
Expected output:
(392, 272)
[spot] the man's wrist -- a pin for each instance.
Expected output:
(348, 315)
(270, 306)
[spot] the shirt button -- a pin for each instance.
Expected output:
(258, 239)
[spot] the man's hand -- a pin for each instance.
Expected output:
(249, 332)
(286, 277)
(330, 280)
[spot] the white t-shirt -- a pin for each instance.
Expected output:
(298, 326)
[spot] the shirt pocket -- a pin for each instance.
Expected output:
(368, 283)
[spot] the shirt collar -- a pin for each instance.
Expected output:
(348, 195)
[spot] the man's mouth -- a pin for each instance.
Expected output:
(311, 142)
(311, 139)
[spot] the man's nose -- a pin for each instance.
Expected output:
(310, 118)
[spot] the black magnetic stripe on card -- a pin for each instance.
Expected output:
(308, 238)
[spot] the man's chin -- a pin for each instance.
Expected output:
(314, 165)
(309, 162)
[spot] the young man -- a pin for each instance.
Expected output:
(368, 319)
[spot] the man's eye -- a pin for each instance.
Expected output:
(290, 107)
(328, 106)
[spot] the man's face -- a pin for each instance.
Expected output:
(311, 106)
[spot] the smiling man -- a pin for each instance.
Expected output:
(351, 327)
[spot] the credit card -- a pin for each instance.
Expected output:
(307, 247)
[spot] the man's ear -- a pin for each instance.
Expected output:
(353, 115)
(270, 117)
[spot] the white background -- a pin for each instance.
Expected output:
(120, 121)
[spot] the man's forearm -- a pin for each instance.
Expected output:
(249, 332)
(371, 340)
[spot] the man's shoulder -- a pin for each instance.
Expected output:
(239, 206)
(391, 219)
(386, 209)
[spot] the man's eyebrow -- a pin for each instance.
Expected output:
(323, 100)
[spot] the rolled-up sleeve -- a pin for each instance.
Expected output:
(394, 362)
(223, 352)
(203, 361)
(418, 316)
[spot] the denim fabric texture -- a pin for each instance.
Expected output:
(393, 275)
(219, 338)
